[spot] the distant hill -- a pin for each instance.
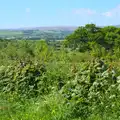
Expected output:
(64, 28)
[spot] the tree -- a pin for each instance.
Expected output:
(109, 29)
(110, 39)
(80, 35)
(106, 37)
(91, 28)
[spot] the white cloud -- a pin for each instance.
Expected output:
(27, 10)
(84, 11)
(107, 14)
(115, 12)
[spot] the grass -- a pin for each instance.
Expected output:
(51, 107)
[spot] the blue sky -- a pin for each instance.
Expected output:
(33, 13)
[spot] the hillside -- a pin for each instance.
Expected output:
(47, 33)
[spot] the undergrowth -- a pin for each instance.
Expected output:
(48, 84)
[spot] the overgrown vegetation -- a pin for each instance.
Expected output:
(74, 79)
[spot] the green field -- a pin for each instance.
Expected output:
(9, 33)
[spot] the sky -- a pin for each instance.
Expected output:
(36, 13)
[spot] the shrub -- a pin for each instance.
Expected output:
(21, 79)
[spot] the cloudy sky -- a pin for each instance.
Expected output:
(34, 13)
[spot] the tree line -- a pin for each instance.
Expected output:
(86, 37)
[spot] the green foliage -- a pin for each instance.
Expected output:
(97, 50)
(51, 81)
(107, 37)
(94, 89)
(23, 79)
(89, 90)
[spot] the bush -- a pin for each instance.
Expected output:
(22, 79)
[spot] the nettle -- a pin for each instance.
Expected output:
(96, 84)
(22, 79)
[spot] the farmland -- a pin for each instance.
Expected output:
(47, 33)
